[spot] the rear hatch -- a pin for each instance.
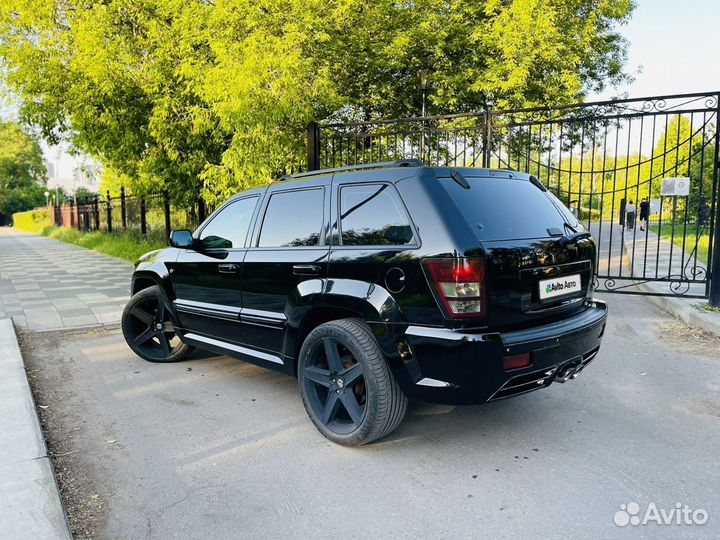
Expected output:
(539, 259)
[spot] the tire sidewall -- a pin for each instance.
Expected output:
(146, 294)
(345, 337)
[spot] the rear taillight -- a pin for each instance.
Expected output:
(460, 283)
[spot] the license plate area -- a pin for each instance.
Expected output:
(559, 287)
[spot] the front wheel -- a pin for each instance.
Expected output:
(346, 384)
(148, 328)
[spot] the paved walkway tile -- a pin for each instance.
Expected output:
(50, 285)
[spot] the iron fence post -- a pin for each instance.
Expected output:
(109, 212)
(714, 275)
(77, 211)
(487, 136)
(201, 209)
(96, 211)
(123, 211)
(143, 221)
(166, 202)
(313, 146)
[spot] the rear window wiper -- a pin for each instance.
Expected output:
(572, 238)
(459, 178)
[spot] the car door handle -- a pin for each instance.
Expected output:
(306, 269)
(228, 268)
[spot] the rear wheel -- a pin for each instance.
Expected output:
(346, 385)
(149, 330)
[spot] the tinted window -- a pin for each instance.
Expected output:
(228, 228)
(505, 208)
(373, 215)
(293, 218)
(569, 216)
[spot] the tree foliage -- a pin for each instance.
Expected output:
(22, 170)
(175, 93)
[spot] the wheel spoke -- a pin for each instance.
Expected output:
(144, 337)
(143, 315)
(332, 354)
(352, 374)
(165, 344)
(317, 375)
(330, 409)
(351, 405)
(160, 314)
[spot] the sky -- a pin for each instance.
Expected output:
(674, 47)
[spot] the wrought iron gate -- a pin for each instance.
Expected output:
(599, 158)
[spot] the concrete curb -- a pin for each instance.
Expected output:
(683, 308)
(686, 311)
(30, 503)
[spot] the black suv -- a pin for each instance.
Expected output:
(378, 282)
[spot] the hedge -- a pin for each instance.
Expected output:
(34, 221)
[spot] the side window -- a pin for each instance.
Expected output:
(373, 215)
(229, 227)
(292, 219)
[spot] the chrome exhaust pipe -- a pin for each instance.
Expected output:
(568, 371)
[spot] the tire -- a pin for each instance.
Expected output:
(352, 397)
(148, 328)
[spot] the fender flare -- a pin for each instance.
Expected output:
(342, 298)
(158, 275)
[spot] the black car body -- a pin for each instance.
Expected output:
(475, 283)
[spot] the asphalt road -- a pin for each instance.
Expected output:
(217, 448)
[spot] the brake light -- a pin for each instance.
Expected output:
(460, 283)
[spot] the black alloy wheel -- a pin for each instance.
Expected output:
(335, 385)
(346, 385)
(149, 330)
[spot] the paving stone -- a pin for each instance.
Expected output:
(47, 284)
(79, 320)
(74, 311)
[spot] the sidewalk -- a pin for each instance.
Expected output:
(30, 504)
(650, 256)
(49, 285)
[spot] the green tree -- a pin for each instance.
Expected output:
(176, 94)
(22, 171)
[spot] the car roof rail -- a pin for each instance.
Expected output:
(366, 166)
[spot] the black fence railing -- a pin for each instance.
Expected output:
(154, 215)
(607, 161)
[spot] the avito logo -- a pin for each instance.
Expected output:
(559, 286)
(682, 514)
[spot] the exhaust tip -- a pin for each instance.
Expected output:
(568, 371)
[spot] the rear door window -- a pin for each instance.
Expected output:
(505, 208)
(293, 219)
(373, 215)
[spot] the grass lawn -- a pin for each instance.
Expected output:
(127, 245)
(703, 239)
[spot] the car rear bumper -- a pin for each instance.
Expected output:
(448, 366)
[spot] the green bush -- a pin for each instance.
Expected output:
(592, 212)
(34, 221)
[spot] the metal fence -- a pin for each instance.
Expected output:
(149, 215)
(597, 158)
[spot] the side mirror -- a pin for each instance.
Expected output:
(181, 238)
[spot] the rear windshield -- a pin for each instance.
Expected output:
(505, 208)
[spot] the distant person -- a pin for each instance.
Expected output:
(630, 210)
(644, 213)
